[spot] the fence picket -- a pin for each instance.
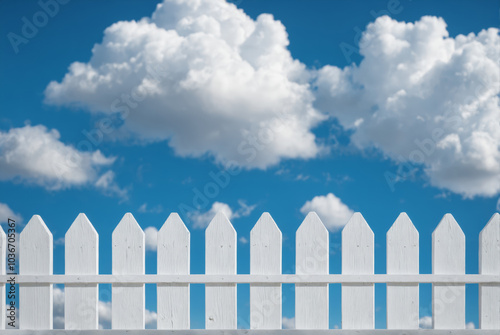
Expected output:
(448, 257)
(265, 259)
(402, 258)
(82, 257)
(312, 257)
(489, 264)
(35, 256)
(220, 253)
(3, 266)
(128, 300)
(358, 305)
(173, 258)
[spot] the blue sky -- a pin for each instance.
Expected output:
(345, 118)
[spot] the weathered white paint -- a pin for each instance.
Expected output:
(3, 266)
(82, 257)
(257, 279)
(220, 258)
(35, 256)
(402, 258)
(173, 258)
(265, 259)
(312, 255)
(448, 257)
(358, 303)
(128, 300)
(489, 264)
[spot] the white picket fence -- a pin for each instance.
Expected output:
(311, 280)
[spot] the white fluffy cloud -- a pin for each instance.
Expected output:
(331, 210)
(201, 219)
(7, 213)
(425, 322)
(151, 236)
(204, 76)
(35, 155)
(425, 98)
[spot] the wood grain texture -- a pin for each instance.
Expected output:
(489, 264)
(220, 253)
(128, 300)
(265, 259)
(358, 303)
(82, 257)
(402, 258)
(312, 257)
(35, 256)
(173, 258)
(448, 257)
(258, 279)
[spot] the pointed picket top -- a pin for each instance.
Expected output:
(448, 247)
(312, 246)
(357, 223)
(265, 246)
(220, 222)
(403, 247)
(265, 258)
(220, 258)
(173, 258)
(220, 246)
(35, 242)
(357, 246)
(489, 247)
(358, 310)
(312, 222)
(174, 224)
(82, 245)
(36, 258)
(82, 257)
(173, 246)
(37, 227)
(402, 258)
(128, 239)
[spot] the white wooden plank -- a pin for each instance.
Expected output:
(220, 258)
(358, 305)
(448, 257)
(128, 300)
(82, 257)
(3, 266)
(312, 255)
(489, 264)
(265, 259)
(257, 279)
(35, 256)
(173, 258)
(402, 258)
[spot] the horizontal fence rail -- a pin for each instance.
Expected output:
(311, 280)
(256, 279)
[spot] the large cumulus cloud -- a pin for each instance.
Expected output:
(204, 76)
(425, 98)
